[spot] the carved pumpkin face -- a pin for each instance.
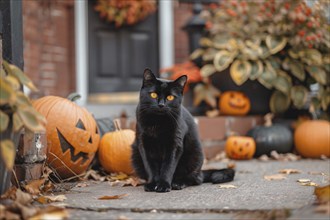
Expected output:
(240, 147)
(234, 103)
(72, 135)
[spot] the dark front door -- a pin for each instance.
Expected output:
(117, 57)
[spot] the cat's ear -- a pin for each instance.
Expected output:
(148, 76)
(181, 80)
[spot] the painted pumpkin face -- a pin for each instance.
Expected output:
(240, 147)
(234, 103)
(72, 135)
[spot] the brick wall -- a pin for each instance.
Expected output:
(48, 29)
(182, 13)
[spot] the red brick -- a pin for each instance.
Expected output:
(26, 172)
(32, 147)
(48, 38)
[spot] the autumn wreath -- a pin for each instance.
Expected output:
(125, 12)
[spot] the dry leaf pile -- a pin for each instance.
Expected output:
(323, 199)
(18, 205)
(115, 179)
(281, 157)
(222, 157)
(32, 200)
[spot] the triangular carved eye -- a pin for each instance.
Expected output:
(80, 125)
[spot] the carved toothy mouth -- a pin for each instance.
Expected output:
(239, 156)
(65, 145)
(237, 106)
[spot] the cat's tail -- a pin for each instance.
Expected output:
(218, 176)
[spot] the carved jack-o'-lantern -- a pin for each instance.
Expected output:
(234, 103)
(240, 147)
(72, 135)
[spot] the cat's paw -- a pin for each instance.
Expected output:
(163, 187)
(178, 186)
(150, 187)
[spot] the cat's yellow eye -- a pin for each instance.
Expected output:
(170, 97)
(153, 95)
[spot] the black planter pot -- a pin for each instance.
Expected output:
(5, 174)
(259, 95)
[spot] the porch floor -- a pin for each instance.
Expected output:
(253, 198)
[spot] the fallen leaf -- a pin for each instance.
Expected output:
(231, 165)
(92, 174)
(281, 157)
(323, 157)
(117, 183)
(264, 157)
(23, 197)
(322, 194)
(309, 184)
(6, 214)
(323, 208)
(207, 93)
(227, 186)
(122, 217)
(212, 113)
(275, 155)
(9, 194)
(120, 176)
(82, 185)
(46, 172)
(134, 181)
(291, 157)
(49, 199)
(275, 177)
(112, 197)
(289, 171)
(25, 210)
(50, 212)
(34, 186)
(316, 173)
(220, 156)
(47, 187)
(303, 180)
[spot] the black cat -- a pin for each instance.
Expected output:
(167, 152)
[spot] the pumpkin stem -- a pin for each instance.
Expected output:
(231, 133)
(313, 113)
(73, 96)
(268, 119)
(117, 124)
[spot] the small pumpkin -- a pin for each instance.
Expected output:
(72, 135)
(115, 150)
(234, 103)
(312, 138)
(240, 147)
(269, 137)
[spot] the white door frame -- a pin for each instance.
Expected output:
(166, 42)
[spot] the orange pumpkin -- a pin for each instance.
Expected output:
(115, 150)
(72, 135)
(312, 138)
(240, 147)
(234, 103)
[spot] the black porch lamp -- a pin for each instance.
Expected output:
(195, 25)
